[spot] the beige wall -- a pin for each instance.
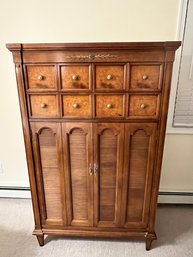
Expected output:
(80, 21)
(177, 167)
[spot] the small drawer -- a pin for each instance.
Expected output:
(109, 106)
(143, 106)
(41, 77)
(76, 106)
(44, 106)
(146, 77)
(75, 77)
(109, 77)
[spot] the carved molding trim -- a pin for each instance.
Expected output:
(112, 130)
(91, 56)
(71, 130)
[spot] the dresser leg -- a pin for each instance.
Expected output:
(148, 240)
(148, 244)
(40, 240)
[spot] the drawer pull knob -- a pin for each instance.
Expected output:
(74, 77)
(109, 77)
(109, 106)
(40, 77)
(143, 106)
(43, 105)
(75, 106)
(145, 77)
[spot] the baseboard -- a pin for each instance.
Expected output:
(164, 197)
(175, 197)
(14, 192)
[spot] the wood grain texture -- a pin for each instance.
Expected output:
(148, 102)
(46, 143)
(48, 155)
(88, 177)
(164, 45)
(50, 108)
(83, 109)
(79, 169)
(109, 77)
(145, 77)
(139, 157)
(115, 101)
(108, 152)
(28, 145)
(47, 81)
(80, 72)
(124, 52)
(77, 139)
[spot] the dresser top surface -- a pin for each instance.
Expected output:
(99, 45)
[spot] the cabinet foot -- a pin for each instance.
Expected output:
(148, 240)
(40, 239)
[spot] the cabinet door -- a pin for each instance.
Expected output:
(78, 171)
(46, 142)
(108, 161)
(139, 155)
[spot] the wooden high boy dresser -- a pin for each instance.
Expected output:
(94, 119)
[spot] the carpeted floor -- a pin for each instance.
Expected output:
(174, 231)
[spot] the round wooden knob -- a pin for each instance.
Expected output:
(40, 77)
(74, 77)
(75, 106)
(142, 106)
(109, 106)
(43, 105)
(109, 77)
(144, 77)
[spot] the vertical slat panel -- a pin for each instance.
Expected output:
(46, 146)
(108, 176)
(77, 158)
(50, 172)
(108, 158)
(78, 166)
(140, 139)
(139, 147)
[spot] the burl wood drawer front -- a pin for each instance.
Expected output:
(44, 106)
(76, 106)
(146, 77)
(109, 106)
(109, 77)
(143, 106)
(41, 77)
(75, 77)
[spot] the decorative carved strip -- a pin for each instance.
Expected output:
(91, 56)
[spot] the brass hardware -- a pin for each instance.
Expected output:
(91, 56)
(95, 169)
(109, 77)
(145, 77)
(40, 77)
(75, 106)
(43, 105)
(74, 77)
(142, 106)
(109, 106)
(90, 169)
